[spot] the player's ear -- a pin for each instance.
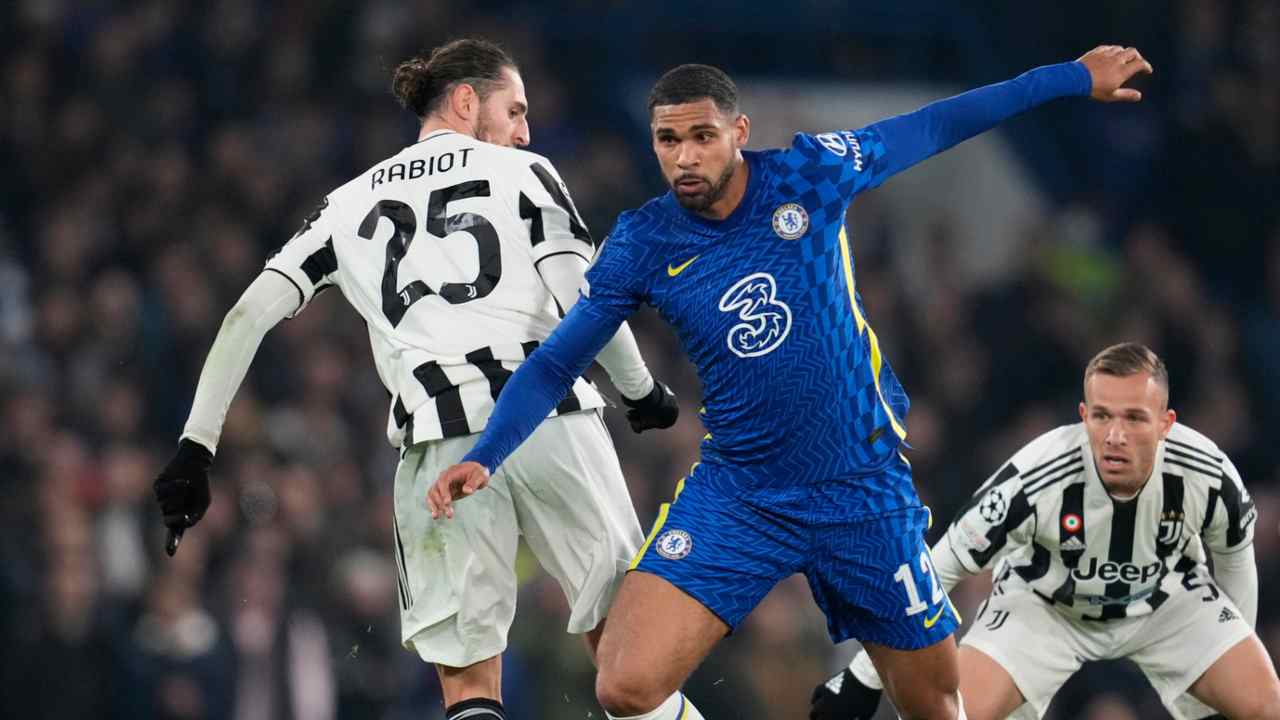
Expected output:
(464, 101)
(1167, 421)
(1084, 411)
(742, 129)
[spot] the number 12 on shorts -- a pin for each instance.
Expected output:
(915, 605)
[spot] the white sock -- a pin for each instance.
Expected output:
(862, 669)
(676, 707)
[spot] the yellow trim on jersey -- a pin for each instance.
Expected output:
(954, 611)
(876, 360)
(685, 702)
(657, 524)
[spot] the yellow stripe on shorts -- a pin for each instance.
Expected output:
(657, 524)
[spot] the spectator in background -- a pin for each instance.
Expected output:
(174, 145)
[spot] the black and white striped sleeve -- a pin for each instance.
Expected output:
(996, 519)
(308, 259)
(1230, 515)
(555, 227)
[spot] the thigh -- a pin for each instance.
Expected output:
(456, 578)
(656, 634)
(1035, 646)
(988, 690)
(1239, 683)
(1184, 639)
(719, 548)
(574, 510)
(874, 580)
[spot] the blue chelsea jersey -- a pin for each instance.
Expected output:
(764, 302)
(766, 306)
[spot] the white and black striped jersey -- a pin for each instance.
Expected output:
(1046, 516)
(437, 248)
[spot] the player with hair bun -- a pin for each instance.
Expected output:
(461, 252)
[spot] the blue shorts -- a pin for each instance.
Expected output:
(727, 544)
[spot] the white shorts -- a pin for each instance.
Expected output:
(562, 489)
(1041, 647)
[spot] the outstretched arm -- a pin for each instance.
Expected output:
(916, 136)
(526, 399)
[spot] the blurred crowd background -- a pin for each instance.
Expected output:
(156, 152)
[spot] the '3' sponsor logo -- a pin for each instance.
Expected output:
(766, 320)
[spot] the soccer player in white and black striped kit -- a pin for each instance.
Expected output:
(461, 253)
(1097, 534)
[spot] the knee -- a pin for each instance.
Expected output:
(629, 693)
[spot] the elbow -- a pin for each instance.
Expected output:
(237, 318)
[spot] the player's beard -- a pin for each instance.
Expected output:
(703, 201)
(484, 131)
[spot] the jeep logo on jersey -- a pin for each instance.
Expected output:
(790, 221)
(1111, 571)
(766, 320)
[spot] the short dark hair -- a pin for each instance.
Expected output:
(691, 83)
(422, 82)
(1128, 358)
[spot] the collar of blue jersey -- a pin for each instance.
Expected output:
(751, 159)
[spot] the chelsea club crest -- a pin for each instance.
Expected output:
(674, 544)
(790, 221)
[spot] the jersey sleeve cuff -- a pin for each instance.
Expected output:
(1079, 77)
(300, 281)
(957, 551)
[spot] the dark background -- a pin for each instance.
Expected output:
(154, 153)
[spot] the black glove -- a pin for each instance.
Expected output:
(844, 698)
(658, 409)
(182, 490)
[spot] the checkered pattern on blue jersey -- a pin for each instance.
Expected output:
(795, 389)
(807, 408)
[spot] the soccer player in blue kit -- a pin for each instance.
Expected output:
(749, 260)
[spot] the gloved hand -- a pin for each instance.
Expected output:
(658, 409)
(182, 490)
(843, 697)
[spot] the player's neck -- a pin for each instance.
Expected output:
(733, 192)
(1123, 492)
(436, 123)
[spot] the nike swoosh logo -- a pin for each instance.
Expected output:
(674, 270)
(930, 622)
